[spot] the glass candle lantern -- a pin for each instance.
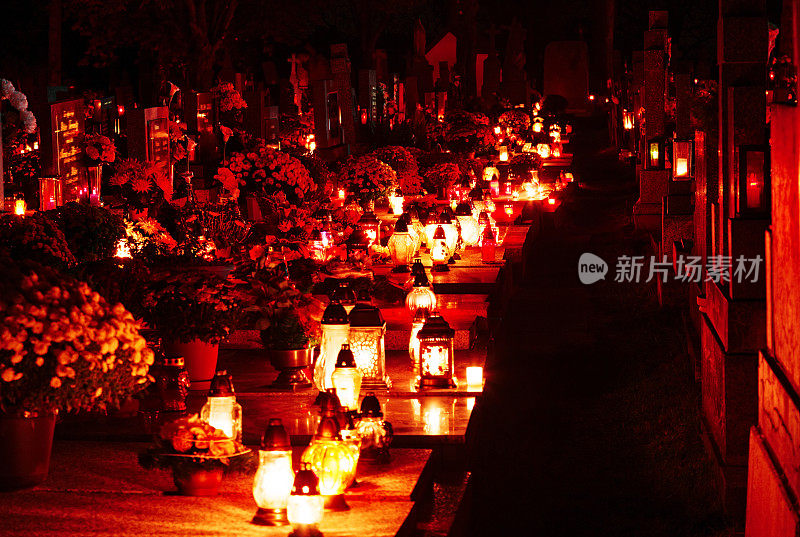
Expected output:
(439, 251)
(345, 295)
(371, 226)
(333, 461)
(418, 271)
(367, 331)
(401, 246)
(502, 154)
(682, 153)
(420, 316)
(543, 150)
(306, 506)
(655, 154)
(538, 124)
(396, 202)
(318, 246)
(448, 222)
(627, 120)
(274, 477)
(436, 353)
(420, 296)
(335, 331)
(753, 188)
(221, 411)
(358, 244)
(375, 434)
(488, 245)
(20, 206)
(346, 378)
(470, 231)
(474, 378)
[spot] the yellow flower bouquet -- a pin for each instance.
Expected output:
(62, 346)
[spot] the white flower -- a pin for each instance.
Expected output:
(28, 121)
(6, 88)
(18, 100)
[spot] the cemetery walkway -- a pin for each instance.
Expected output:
(588, 423)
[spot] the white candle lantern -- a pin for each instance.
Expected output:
(346, 379)
(274, 477)
(401, 246)
(335, 330)
(221, 411)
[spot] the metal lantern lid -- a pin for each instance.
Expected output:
(488, 234)
(368, 219)
(334, 313)
(366, 315)
(476, 193)
(328, 430)
(344, 294)
(371, 407)
(421, 315)
(434, 218)
(463, 209)
(447, 216)
(401, 226)
(221, 385)
(436, 328)
(413, 213)
(275, 437)
(316, 235)
(329, 401)
(439, 233)
(358, 238)
(421, 280)
(345, 357)
(483, 218)
(306, 482)
(398, 192)
(418, 270)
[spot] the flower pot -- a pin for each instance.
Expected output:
(198, 482)
(292, 365)
(25, 446)
(200, 360)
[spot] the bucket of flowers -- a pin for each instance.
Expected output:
(63, 347)
(198, 455)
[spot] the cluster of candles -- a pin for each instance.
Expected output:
(328, 464)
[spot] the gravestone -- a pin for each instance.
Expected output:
(340, 71)
(514, 85)
(566, 73)
(492, 72)
(420, 69)
(62, 132)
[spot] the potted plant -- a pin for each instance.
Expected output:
(35, 237)
(92, 233)
(287, 318)
(62, 347)
(366, 179)
(193, 310)
(197, 454)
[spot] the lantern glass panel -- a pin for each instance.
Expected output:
(347, 381)
(755, 198)
(305, 510)
(368, 349)
(225, 414)
(401, 248)
(273, 479)
(333, 337)
(682, 152)
(334, 462)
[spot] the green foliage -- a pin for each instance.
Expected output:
(285, 333)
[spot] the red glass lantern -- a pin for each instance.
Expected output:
(371, 226)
